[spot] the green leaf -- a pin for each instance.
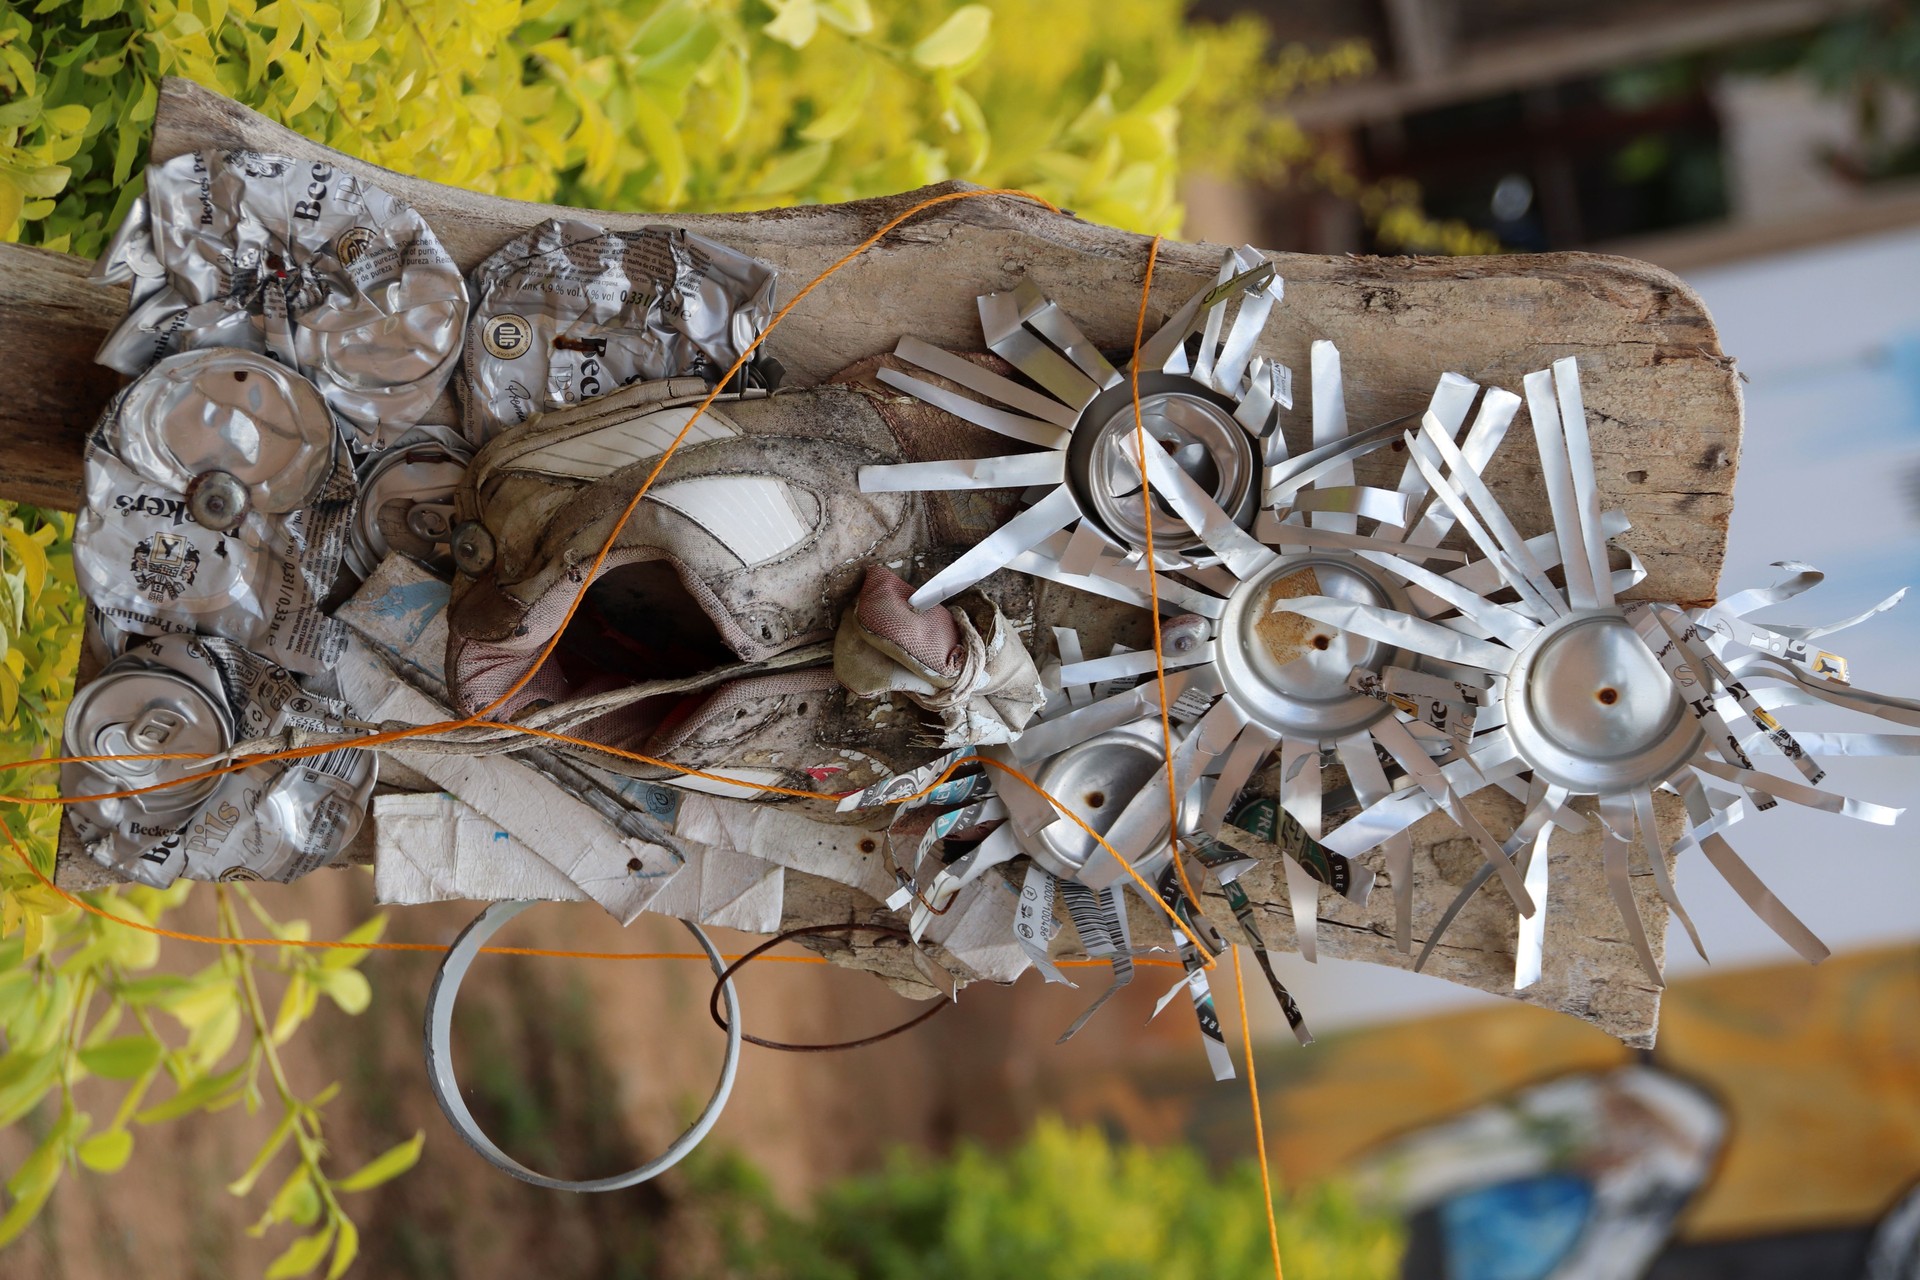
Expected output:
(143, 103)
(345, 1250)
(11, 203)
(107, 1152)
(32, 556)
(33, 1181)
(344, 958)
(357, 18)
(958, 40)
(794, 22)
(37, 1074)
(45, 181)
(122, 1058)
(302, 1256)
(845, 113)
(296, 1200)
(19, 113)
(347, 988)
(208, 1092)
(794, 170)
(855, 17)
(384, 1167)
(71, 118)
(94, 10)
(663, 143)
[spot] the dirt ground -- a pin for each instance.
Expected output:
(582, 1069)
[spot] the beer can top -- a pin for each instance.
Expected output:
(133, 709)
(233, 411)
(406, 505)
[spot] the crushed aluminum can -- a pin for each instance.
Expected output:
(233, 412)
(292, 258)
(406, 502)
(190, 694)
(569, 311)
(151, 561)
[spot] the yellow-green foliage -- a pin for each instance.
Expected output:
(677, 104)
(1067, 1204)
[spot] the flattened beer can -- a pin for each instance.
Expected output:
(302, 261)
(138, 552)
(219, 492)
(568, 311)
(193, 695)
(138, 706)
(231, 412)
(406, 501)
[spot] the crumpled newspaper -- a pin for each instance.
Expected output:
(295, 259)
(963, 661)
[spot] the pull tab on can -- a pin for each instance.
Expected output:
(406, 503)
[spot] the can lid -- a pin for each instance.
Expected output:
(1195, 425)
(1098, 780)
(406, 505)
(138, 711)
(230, 411)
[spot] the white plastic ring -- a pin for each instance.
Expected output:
(446, 1089)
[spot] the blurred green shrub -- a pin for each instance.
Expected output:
(1067, 1204)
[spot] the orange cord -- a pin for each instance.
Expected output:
(547, 650)
(325, 944)
(1259, 1129)
(1153, 589)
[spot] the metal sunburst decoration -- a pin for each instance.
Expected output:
(1428, 673)
(1592, 697)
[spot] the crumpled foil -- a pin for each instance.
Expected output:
(295, 259)
(569, 311)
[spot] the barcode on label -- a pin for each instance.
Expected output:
(342, 764)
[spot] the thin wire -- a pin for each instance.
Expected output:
(1259, 1130)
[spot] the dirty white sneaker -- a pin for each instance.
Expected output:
(705, 638)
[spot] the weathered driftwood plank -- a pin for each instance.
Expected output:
(1663, 405)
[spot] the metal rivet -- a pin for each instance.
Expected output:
(218, 500)
(472, 548)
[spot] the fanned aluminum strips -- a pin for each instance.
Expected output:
(294, 259)
(406, 501)
(233, 411)
(189, 694)
(569, 311)
(150, 568)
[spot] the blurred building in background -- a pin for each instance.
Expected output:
(1686, 132)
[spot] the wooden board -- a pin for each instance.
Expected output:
(1663, 409)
